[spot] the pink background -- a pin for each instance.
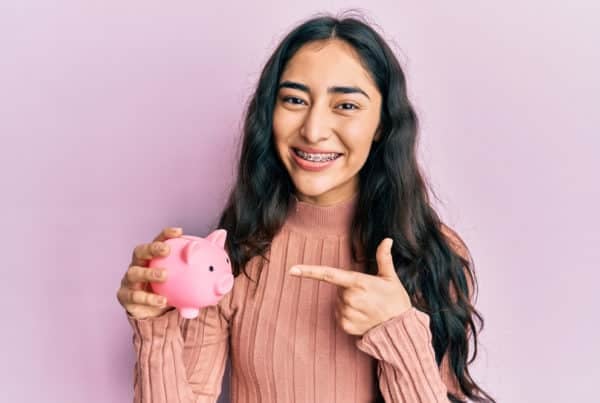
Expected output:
(120, 118)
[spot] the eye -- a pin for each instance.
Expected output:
(285, 99)
(210, 268)
(227, 259)
(351, 106)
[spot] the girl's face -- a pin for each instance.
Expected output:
(326, 103)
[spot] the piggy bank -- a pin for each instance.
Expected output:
(198, 272)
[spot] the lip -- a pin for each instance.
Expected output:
(315, 151)
(310, 165)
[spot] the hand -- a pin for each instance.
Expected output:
(134, 294)
(364, 300)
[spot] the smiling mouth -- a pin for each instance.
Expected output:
(325, 157)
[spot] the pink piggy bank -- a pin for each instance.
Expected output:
(198, 272)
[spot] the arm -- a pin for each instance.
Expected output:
(407, 369)
(181, 360)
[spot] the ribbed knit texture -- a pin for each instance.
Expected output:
(284, 342)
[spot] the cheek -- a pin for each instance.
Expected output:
(279, 132)
(277, 126)
(358, 138)
(284, 122)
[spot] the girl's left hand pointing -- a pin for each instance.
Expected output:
(364, 300)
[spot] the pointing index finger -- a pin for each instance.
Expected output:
(331, 275)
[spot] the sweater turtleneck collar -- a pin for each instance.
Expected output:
(333, 219)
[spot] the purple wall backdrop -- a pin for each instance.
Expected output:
(120, 118)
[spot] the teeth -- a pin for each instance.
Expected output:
(317, 157)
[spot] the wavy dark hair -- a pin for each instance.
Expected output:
(393, 199)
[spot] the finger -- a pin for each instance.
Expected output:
(138, 274)
(350, 299)
(144, 252)
(125, 283)
(385, 263)
(332, 275)
(145, 286)
(168, 233)
(139, 297)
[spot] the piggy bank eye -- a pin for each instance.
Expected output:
(210, 268)
(227, 259)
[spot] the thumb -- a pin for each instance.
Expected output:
(385, 263)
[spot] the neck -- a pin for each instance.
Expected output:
(332, 219)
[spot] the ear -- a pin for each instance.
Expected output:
(191, 252)
(377, 135)
(217, 237)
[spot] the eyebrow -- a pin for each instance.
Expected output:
(335, 89)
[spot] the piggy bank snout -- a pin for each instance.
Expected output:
(224, 285)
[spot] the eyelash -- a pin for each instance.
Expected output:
(354, 107)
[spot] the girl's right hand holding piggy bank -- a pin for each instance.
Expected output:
(135, 294)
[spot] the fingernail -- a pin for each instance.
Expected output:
(162, 300)
(158, 273)
(295, 271)
(176, 229)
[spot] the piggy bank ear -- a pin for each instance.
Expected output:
(191, 252)
(217, 237)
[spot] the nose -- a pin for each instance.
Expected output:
(224, 285)
(316, 125)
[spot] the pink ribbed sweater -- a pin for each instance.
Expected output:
(282, 337)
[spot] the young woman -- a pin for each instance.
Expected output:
(353, 289)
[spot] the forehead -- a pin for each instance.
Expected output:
(325, 63)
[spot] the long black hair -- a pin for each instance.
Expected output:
(393, 199)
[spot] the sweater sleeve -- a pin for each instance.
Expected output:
(408, 371)
(181, 360)
(406, 364)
